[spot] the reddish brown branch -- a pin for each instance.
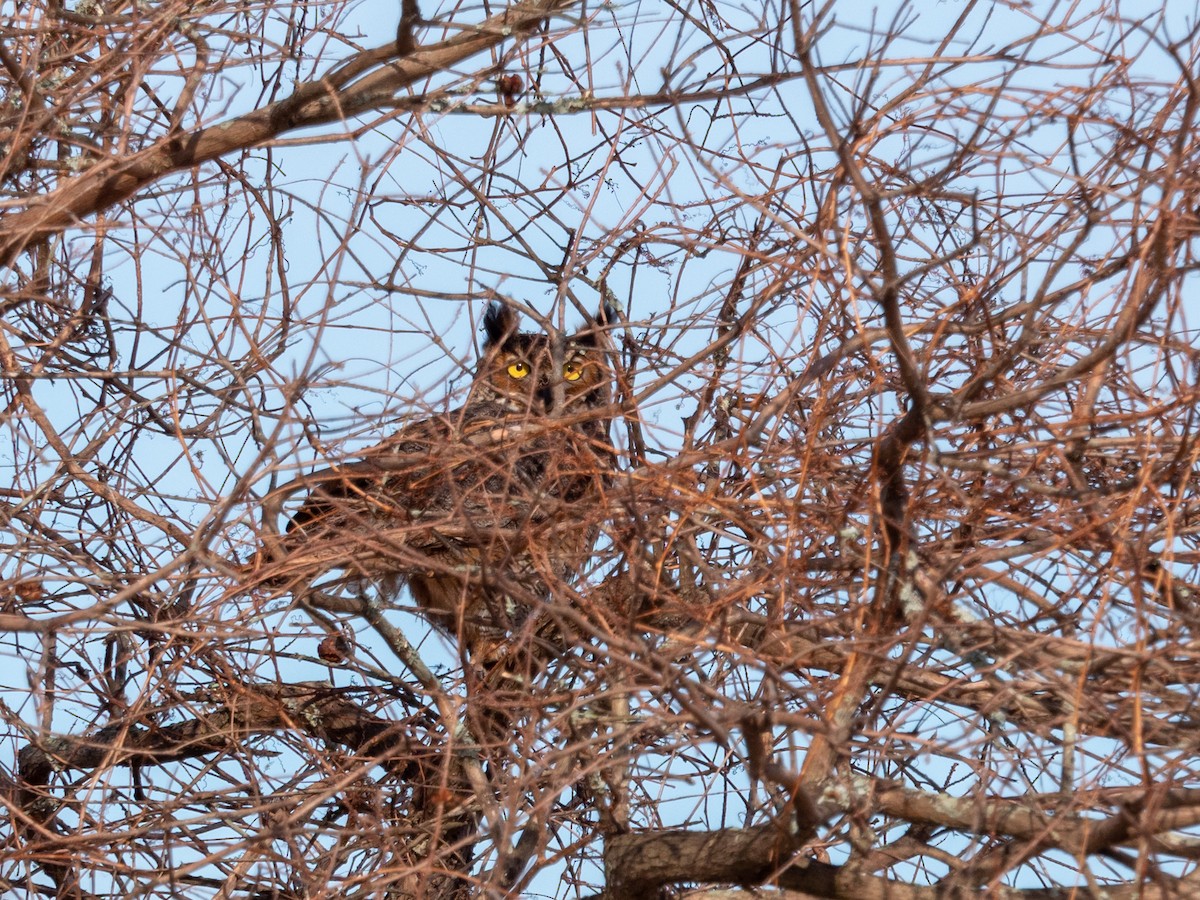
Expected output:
(343, 94)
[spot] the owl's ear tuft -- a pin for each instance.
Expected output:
(592, 331)
(499, 324)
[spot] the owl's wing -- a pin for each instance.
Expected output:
(344, 490)
(449, 465)
(481, 487)
(372, 487)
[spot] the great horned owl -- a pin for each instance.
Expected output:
(483, 509)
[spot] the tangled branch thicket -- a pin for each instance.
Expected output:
(896, 585)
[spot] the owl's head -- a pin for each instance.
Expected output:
(541, 374)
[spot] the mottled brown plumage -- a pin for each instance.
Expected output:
(484, 510)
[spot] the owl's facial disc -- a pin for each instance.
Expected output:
(541, 374)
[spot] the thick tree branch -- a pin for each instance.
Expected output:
(369, 80)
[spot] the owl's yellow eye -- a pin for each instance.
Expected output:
(572, 372)
(518, 370)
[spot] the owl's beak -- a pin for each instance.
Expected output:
(545, 397)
